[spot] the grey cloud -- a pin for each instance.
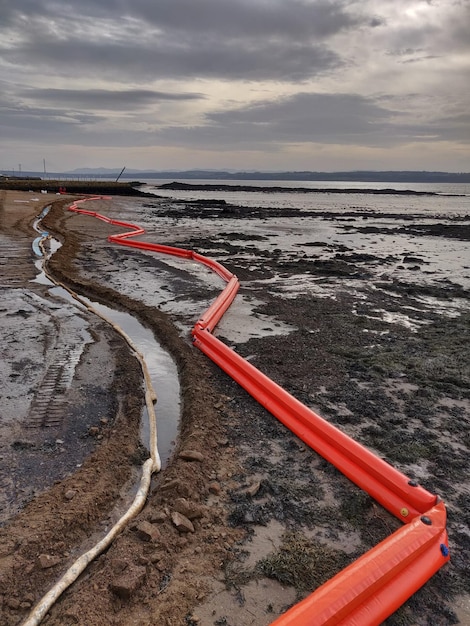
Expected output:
(433, 37)
(458, 28)
(418, 59)
(310, 117)
(404, 52)
(341, 119)
(227, 39)
(346, 119)
(450, 128)
(230, 18)
(48, 125)
(11, 11)
(258, 60)
(304, 118)
(106, 99)
(408, 37)
(136, 42)
(245, 18)
(18, 120)
(376, 21)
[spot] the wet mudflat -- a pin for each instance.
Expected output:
(367, 327)
(60, 395)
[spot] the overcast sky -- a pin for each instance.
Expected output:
(242, 84)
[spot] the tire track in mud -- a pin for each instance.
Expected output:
(14, 261)
(48, 406)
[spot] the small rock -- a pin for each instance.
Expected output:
(13, 603)
(191, 455)
(148, 532)
(158, 517)
(172, 484)
(93, 431)
(70, 494)
(182, 523)
(248, 518)
(253, 489)
(128, 583)
(118, 566)
(22, 445)
(214, 487)
(188, 509)
(46, 561)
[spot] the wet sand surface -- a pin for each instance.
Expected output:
(364, 318)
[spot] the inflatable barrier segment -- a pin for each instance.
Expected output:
(376, 584)
(403, 498)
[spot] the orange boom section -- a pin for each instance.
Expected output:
(375, 585)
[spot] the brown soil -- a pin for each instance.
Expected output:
(260, 500)
(53, 525)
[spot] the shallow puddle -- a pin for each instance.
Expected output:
(163, 374)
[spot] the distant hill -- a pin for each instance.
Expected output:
(365, 176)
(104, 171)
(353, 176)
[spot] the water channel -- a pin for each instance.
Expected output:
(162, 369)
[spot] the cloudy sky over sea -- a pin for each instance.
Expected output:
(242, 84)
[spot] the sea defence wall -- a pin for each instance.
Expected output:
(376, 584)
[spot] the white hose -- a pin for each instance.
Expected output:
(151, 465)
(42, 607)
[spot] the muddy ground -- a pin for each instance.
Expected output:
(271, 519)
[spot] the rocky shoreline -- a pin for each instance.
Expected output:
(177, 186)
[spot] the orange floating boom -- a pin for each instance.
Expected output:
(376, 584)
(382, 481)
(379, 582)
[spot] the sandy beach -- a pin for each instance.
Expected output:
(376, 349)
